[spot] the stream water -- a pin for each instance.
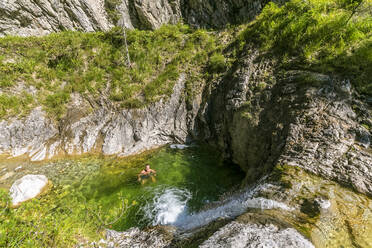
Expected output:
(187, 181)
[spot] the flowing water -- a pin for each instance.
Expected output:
(187, 181)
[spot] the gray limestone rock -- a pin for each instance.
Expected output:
(249, 235)
(29, 135)
(30, 18)
(217, 13)
(152, 14)
(112, 132)
(26, 17)
(27, 188)
(299, 118)
(156, 237)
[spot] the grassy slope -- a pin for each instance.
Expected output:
(94, 64)
(315, 35)
(328, 36)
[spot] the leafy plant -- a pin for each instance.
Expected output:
(217, 62)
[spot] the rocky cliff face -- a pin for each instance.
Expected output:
(303, 130)
(261, 117)
(307, 133)
(105, 130)
(26, 17)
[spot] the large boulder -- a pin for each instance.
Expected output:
(27, 188)
(238, 234)
(155, 237)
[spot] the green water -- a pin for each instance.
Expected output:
(101, 183)
(104, 182)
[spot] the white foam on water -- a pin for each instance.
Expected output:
(169, 207)
(230, 208)
(179, 146)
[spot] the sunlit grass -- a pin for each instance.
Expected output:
(326, 36)
(94, 64)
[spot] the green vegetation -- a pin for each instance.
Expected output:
(90, 194)
(61, 218)
(94, 64)
(15, 105)
(217, 62)
(111, 7)
(319, 35)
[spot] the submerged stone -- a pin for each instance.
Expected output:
(27, 188)
(6, 176)
(178, 146)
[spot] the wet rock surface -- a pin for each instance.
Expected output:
(238, 234)
(326, 213)
(260, 117)
(134, 237)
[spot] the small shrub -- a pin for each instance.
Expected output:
(217, 63)
(114, 36)
(132, 104)
(261, 86)
(15, 105)
(55, 103)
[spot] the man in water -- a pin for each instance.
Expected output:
(146, 174)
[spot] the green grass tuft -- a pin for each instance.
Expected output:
(320, 35)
